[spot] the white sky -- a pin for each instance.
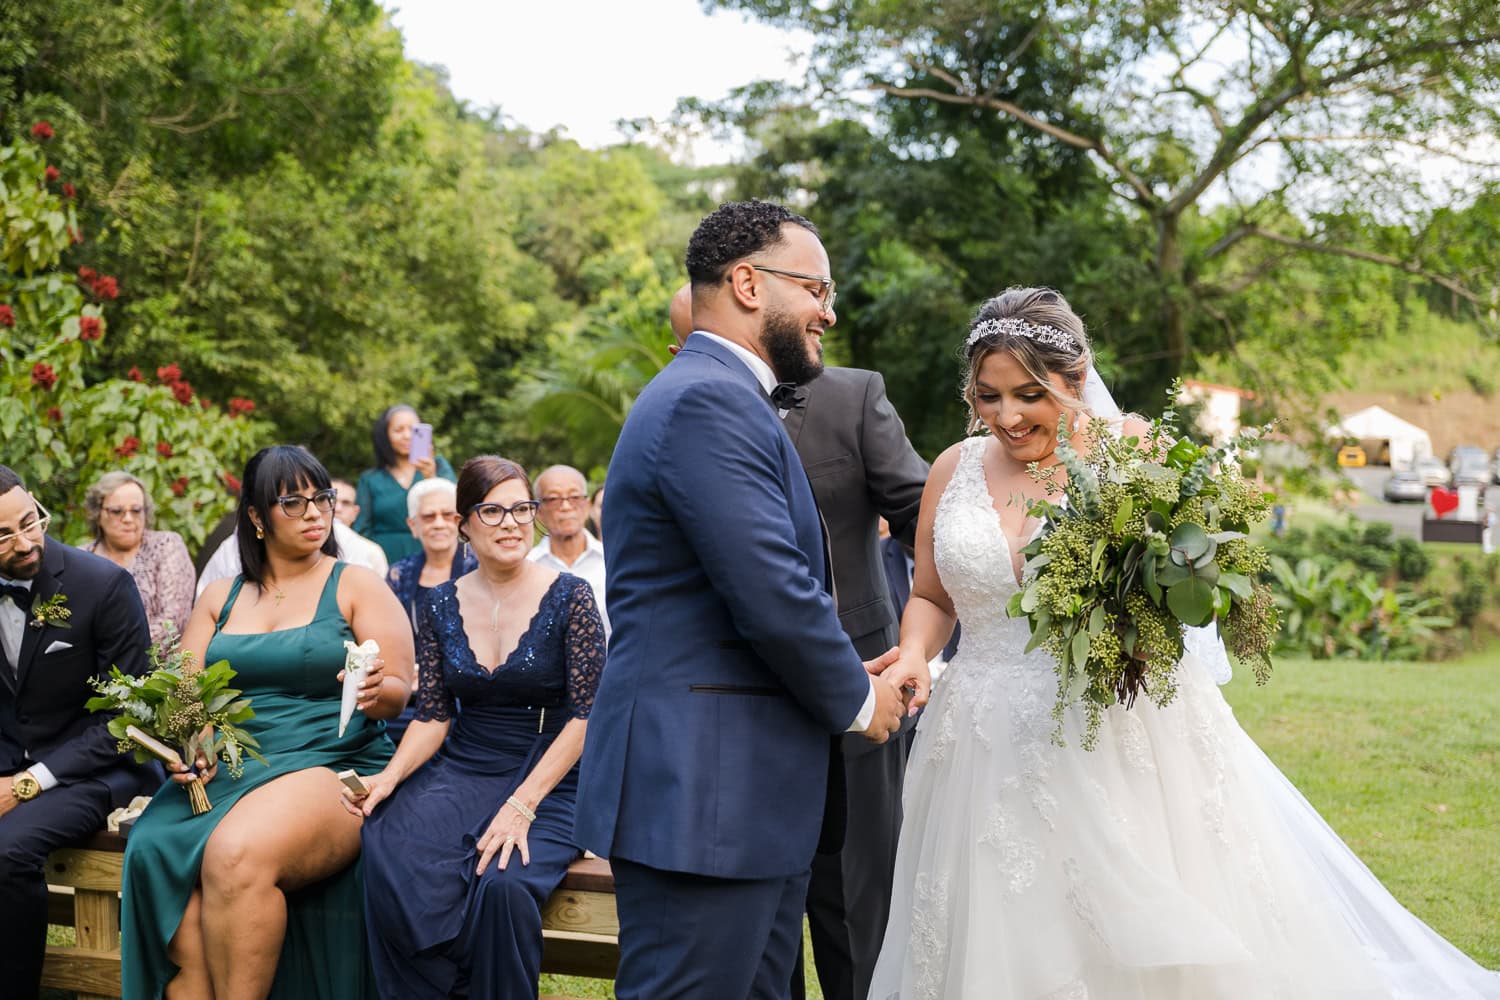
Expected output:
(582, 64)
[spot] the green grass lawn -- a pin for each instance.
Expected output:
(1400, 758)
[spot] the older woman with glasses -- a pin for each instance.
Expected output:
(260, 896)
(119, 517)
(433, 520)
(470, 826)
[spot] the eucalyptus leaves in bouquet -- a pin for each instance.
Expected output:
(177, 711)
(1145, 537)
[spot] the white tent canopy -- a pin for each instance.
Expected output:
(1384, 435)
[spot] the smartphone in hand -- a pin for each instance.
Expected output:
(351, 781)
(421, 442)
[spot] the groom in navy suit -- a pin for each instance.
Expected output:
(705, 771)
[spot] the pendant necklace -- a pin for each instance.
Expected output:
(494, 611)
(278, 595)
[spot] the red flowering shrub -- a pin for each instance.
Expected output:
(239, 406)
(69, 191)
(169, 374)
(182, 392)
(43, 375)
(129, 446)
(179, 486)
(134, 374)
(89, 328)
(54, 414)
(7, 316)
(42, 131)
(106, 287)
(75, 236)
(52, 173)
(231, 483)
(164, 449)
(87, 275)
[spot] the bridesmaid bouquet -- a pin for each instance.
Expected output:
(1149, 537)
(175, 707)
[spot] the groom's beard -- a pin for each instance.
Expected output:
(785, 342)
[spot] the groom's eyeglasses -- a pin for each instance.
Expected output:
(826, 295)
(33, 526)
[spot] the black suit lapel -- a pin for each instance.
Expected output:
(45, 586)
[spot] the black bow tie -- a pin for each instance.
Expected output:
(784, 396)
(21, 595)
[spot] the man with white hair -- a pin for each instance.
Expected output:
(568, 546)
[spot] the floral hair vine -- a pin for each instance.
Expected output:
(1010, 326)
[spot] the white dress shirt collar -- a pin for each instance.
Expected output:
(757, 365)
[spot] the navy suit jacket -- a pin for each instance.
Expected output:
(42, 718)
(707, 749)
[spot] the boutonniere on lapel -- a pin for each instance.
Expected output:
(50, 612)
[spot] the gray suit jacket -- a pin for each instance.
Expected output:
(862, 467)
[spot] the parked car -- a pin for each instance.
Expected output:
(1405, 485)
(1352, 456)
(1470, 465)
(1434, 471)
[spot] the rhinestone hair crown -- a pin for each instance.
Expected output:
(1011, 326)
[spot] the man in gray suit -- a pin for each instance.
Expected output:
(862, 467)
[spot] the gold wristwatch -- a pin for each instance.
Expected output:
(24, 787)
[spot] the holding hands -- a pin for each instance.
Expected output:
(901, 687)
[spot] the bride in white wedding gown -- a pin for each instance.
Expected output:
(1173, 862)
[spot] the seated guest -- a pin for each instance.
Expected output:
(434, 522)
(381, 494)
(356, 547)
(470, 826)
(568, 547)
(119, 517)
(60, 770)
(224, 564)
(261, 892)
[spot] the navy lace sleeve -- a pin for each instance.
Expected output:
(583, 648)
(434, 700)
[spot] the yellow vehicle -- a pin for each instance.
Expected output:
(1352, 456)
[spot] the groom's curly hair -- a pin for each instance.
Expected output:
(734, 231)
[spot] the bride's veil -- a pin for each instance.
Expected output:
(1201, 643)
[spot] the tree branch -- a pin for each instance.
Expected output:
(1408, 266)
(1143, 192)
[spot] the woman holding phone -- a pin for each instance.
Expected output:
(403, 456)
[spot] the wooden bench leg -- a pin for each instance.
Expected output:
(96, 919)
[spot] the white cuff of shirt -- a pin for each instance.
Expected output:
(43, 776)
(866, 712)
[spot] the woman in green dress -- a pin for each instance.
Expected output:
(381, 492)
(261, 895)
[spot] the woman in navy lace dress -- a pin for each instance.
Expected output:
(466, 839)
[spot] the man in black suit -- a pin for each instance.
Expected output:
(65, 616)
(862, 467)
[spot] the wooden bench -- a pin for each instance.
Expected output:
(580, 931)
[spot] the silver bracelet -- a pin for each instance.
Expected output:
(520, 807)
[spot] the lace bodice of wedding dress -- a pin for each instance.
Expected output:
(1174, 862)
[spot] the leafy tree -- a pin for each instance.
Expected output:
(1182, 106)
(61, 430)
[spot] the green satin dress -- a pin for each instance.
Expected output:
(289, 675)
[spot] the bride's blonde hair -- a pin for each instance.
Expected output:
(1038, 328)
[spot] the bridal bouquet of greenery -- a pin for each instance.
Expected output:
(1145, 537)
(176, 711)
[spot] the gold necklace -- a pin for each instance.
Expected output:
(278, 595)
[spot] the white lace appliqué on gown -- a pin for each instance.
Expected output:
(1174, 862)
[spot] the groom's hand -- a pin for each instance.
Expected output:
(886, 722)
(877, 666)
